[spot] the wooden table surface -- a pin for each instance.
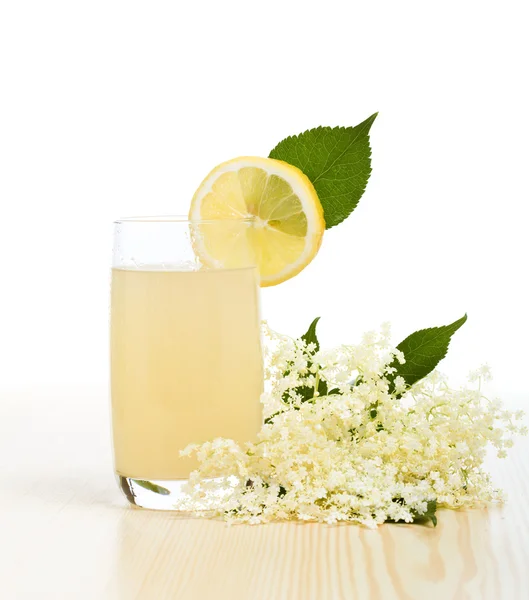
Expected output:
(66, 532)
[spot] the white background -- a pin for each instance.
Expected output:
(112, 109)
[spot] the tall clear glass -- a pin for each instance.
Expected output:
(186, 362)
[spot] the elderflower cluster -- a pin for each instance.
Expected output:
(344, 441)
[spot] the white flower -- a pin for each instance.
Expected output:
(400, 384)
(399, 356)
(484, 373)
(360, 455)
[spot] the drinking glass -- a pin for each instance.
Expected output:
(186, 362)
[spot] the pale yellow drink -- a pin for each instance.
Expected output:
(186, 365)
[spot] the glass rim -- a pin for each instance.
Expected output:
(181, 219)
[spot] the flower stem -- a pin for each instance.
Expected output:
(316, 385)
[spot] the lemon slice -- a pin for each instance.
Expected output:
(287, 217)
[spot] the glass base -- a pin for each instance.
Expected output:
(153, 494)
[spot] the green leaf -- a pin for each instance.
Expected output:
(421, 518)
(307, 392)
(269, 419)
(337, 160)
(423, 350)
(427, 516)
(152, 487)
(310, 337)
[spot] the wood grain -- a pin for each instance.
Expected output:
(66, 532)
